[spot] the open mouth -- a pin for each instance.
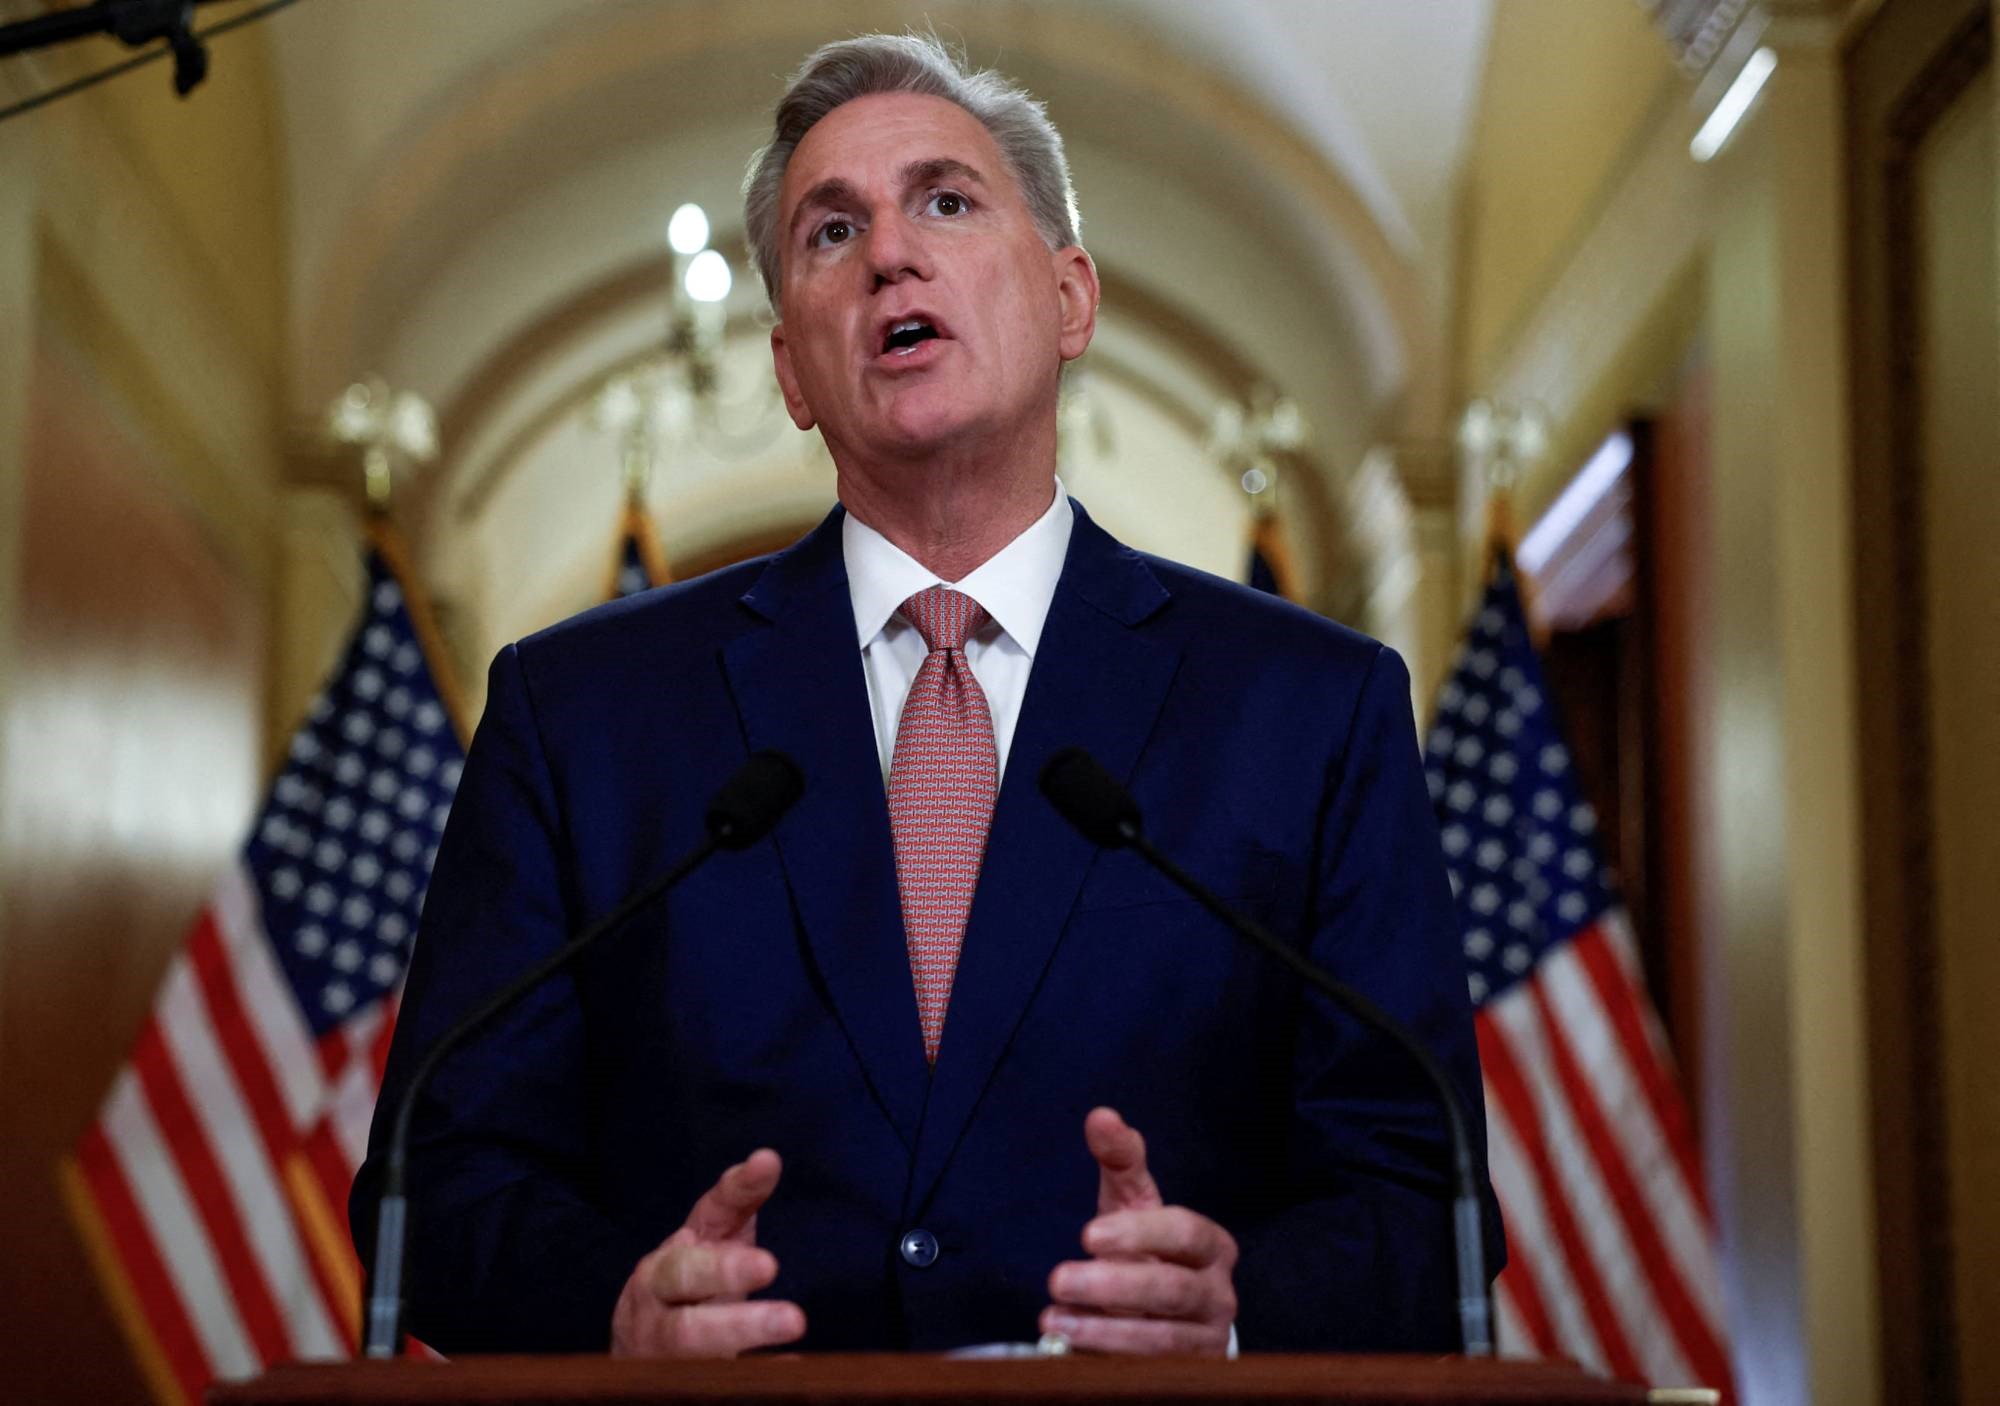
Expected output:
(905, 336)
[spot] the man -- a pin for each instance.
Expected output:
(887, 1072)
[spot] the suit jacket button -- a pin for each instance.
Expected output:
(920, 1249)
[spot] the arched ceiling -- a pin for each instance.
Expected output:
(1330, 131)
(1275, 175)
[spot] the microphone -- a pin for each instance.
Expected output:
(749, 804)
(1098, 805)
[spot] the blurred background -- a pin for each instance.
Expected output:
(1704, 293)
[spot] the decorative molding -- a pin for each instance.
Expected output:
(1953, 67)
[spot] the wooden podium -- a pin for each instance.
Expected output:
(903, 1379)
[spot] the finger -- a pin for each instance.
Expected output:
(1122, 1179)
(1097, 1332)
(728, 1208)
(1149, 1288)
(726, 1329)
(1172, 1233)
(694, 1271)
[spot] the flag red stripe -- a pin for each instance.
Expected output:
(140, 1259)
(1533, 1310)
(239, 1042)
(1663, 1276)
(1621, 1008)
(187, 1140)
(335, 1173)
(333, 1052)
(1509, 1088)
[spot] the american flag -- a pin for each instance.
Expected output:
(1611, 1251)
(641, 563)
(212, 1188)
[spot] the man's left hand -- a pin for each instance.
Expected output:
(1159, 1276)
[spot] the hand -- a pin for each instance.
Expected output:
(686, 1299)
(1159, 1276)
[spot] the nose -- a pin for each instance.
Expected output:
(896, 250)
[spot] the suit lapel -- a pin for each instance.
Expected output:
(799, 687)
(1098, 682)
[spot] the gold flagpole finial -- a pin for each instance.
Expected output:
(1499, 440)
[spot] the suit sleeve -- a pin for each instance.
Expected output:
(507, 1251)
(1358, 1255)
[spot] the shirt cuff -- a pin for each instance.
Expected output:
(1232, 1342)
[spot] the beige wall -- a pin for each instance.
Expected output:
(140, 325)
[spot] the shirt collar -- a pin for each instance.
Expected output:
(1015, 585)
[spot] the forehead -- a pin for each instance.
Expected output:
(870, 139)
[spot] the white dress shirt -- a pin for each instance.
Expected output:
(1014, 586)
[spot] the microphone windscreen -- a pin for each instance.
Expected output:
(751, 801)
(1090, 798)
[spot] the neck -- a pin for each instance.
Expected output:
(950, 516)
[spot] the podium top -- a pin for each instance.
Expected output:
(879, 1379)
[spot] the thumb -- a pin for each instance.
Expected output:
(1123, 1183)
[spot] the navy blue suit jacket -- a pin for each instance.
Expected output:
(769, 1001)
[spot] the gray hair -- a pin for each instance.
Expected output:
(909, 63)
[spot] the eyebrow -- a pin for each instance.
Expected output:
(836, 191)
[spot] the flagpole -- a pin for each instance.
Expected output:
(1503, 542)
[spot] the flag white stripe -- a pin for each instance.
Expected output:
(268, 1001)
(352, 1110)
(1530, 1238)
(1510, 1338)
(261, 1208)
(171, 1219)
(1655, 1170)
(1618, 1267)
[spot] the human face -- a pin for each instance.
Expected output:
(898, 208)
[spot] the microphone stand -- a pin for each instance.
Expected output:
(385, 1295)
(1475, 1312)
(1094, 801)
(742, 813)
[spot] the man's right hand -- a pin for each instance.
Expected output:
(687, 1298)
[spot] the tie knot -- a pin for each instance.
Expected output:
(944, 617)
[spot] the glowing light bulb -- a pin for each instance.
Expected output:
(708, 278)
(687, 231)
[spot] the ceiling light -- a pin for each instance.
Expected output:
(708, 278)
(1750, 80)
(687, 231)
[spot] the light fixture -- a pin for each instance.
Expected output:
(1251, 437)
(687, 231)
(1722, 122)
(385, 426)
(708, 278)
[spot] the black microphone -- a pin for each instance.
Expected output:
(1094, 801)
(741, 814)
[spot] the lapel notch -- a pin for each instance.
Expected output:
(798, 686)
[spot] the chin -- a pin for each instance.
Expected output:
(929, 423)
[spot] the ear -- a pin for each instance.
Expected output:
(788, 381)
(1076, 299)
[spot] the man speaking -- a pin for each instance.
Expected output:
(928, 1069)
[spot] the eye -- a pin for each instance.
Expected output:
(947, 202)
(832, 232)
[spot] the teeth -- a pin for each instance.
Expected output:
(911, 326)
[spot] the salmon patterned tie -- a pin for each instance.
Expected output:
(942, 780)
